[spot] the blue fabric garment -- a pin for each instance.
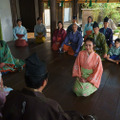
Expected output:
(88, 27)
(115, 57)
(7, 89)
(20, 30)
(108, 35)
(70, 29)
(74, 40)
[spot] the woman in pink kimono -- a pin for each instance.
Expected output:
(88, 70)
(4, 91)
(58, 37)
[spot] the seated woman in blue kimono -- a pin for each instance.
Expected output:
(72, 42)
(20, 34)
(88, 28)
(107, 32)
(114, 52)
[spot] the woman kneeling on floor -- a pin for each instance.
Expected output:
(88, 70)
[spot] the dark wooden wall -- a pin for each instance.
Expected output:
(27, 11)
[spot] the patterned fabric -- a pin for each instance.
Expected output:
(83, 89)
(88, 27)
(108, 35)
(11, 63)
(21, 31)
(114, 51)
(101, 47)
(92, 61)
(58, 38)
(74, 40)
(39, 28)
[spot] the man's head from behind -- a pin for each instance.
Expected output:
(36, 75)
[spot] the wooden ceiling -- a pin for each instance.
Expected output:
(87, 1)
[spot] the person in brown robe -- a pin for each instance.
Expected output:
(30, 103)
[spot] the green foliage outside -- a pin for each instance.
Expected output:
(111, 10)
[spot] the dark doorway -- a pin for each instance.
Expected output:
(27, 13)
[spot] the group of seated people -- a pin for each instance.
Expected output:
(20, 33)
(87, 69)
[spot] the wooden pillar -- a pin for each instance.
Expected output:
(75, 6)
(41, 9)
(13, 11)
(62, 14)
(52, 16)
(36, 10)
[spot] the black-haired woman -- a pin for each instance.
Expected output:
(88, 28)
(87, 70)
(58, 37)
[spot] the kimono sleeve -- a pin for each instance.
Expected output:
(35, 31)
(64, 35)
(110, 51)
(104, 44)
(95, 77)
(85, 30)
(76, 67)
(66, 40)
(54, 38)
(14, 34)
(44, 31)
(111, 37)
(80, 41)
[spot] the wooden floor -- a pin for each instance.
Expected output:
(104, 104)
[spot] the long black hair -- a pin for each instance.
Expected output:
(88, 19)
(61, 23)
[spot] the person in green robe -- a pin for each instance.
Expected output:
(101, 46)
(7, 62)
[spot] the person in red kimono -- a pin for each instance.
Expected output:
(58, 36)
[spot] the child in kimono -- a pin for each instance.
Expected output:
(114, 52)
(87, 70)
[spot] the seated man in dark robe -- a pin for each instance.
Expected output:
(72, 42)
(69, 29)
(30, 103)
(107, 32)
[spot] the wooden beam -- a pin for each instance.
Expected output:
(13, 11)
(84, 1)
(52, 16)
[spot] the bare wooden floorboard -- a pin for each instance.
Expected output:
(104, 103)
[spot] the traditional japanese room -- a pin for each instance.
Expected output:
(104, 104)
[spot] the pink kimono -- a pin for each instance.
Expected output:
(58, 38)
(89, 62)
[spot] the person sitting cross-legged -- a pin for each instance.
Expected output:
(31, 103)
(114, 52)
(72, 42)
